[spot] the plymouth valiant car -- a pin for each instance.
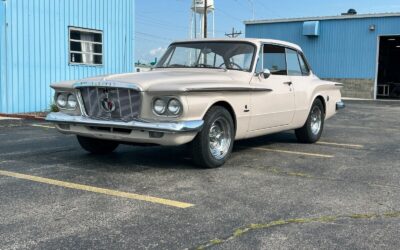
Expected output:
(204, 93)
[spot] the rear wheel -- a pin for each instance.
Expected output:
(97, 146)
(213, 145)
(312, 129)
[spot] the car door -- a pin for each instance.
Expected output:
(300, 76)
(277, 107)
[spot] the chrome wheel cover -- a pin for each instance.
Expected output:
(316, 120)
(220, 138)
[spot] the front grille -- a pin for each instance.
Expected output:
(111, 103)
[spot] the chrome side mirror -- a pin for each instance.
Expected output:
(266, 73)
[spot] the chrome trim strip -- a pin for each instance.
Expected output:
(80, 102)
(166, 127)
(229, 89)
(106, 83)
(340, 105)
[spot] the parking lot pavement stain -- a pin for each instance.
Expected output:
(278, 171)
(281, 222)
(389, 130)
(92, 189)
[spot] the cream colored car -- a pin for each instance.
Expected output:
(208, 93)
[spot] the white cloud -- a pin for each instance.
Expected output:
(158, 52)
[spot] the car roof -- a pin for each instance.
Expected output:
(249, 40)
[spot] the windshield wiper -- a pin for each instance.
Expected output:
(207, 66)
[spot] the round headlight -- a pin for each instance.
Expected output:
(174, 106)
(61, 100)
(159, 106)
(71, 101)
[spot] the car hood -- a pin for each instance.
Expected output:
(176, 79)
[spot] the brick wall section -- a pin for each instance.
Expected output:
(356, 88)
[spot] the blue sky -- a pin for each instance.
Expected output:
(158, 22)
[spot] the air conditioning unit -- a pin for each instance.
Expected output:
(311, 28)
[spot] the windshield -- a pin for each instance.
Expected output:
(219, 55)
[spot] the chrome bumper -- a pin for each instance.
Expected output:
(340, 105)
(166, 127)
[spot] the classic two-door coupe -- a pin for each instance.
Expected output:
(205, 93)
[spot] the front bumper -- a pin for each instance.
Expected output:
(165, 127)
(340, 105)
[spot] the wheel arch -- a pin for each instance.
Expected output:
(228, 107)
(322, 99)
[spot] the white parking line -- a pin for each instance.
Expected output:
(340, 144)
(42, 126)
(292, 152)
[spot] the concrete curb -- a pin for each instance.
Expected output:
(28, 117)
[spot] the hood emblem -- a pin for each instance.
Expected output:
(107, 104)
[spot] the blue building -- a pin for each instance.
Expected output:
(45, 41)
(361, 51)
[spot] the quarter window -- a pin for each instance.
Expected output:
(303, 65)
(85, 46)
(293, 65)
(274, 59)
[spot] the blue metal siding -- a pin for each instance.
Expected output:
(37, 46)
(2, 52)
(344, 49)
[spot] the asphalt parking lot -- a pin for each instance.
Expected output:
(274, 193)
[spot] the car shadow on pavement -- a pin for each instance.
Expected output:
(138, 159)
(284, 137)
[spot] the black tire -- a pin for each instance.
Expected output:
(305, 134)
(200, 146)
(97, 146)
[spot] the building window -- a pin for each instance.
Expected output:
(85, 46)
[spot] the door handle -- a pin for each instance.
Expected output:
(288, 83)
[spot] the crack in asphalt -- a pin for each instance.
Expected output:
(322, 219)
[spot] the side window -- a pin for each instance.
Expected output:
(303, 65)
(293, 64)
(275, 59)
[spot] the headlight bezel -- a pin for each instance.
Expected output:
(66, 95)
(179, 105)
(167, 112)
(164, 109)
(72, 107)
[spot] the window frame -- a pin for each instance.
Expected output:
(296, 53)
(86, 30)
(299, 53)
(277, 45)
(253, 60)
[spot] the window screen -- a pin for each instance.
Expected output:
(275, 59)
(85, 46)
(293, 64)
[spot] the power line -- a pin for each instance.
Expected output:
(234, 33)
(154, 36)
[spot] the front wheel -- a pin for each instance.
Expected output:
(213, 145)
(312, 129)
(97, 146)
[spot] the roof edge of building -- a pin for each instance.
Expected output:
(321, 18)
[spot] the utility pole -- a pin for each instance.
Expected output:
(205, 18)
(234, 33)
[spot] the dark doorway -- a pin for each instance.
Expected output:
(388, 85)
